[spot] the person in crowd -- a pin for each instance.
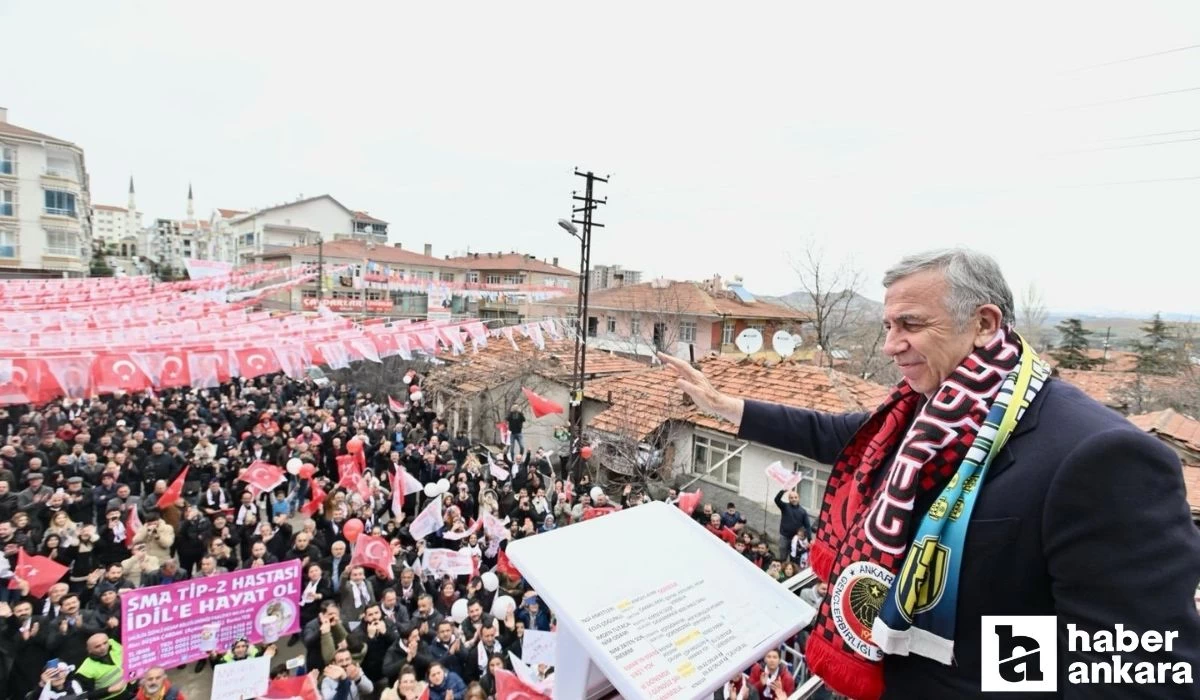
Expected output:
(345, 679)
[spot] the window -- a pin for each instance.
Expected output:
(493, 279)
(687, 331)
(727, 333)
(660, 336)
(60, 165)
(61, 242)
(60, 203)
(8, 159)
(635, 326)
(8, 243)
(612, 324)
(426, 275)
(473, 277)
(758, 326)
(514, 279)
(708, 453)
(6, 203)
(593, 325)
(446, 277)
(812, 487)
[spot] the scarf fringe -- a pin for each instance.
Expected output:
(820, 558)
(844, 672)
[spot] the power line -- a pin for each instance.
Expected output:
(1132, 98)
(1135, 58)
(1129, 145)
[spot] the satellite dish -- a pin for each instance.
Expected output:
(749, 341)
(783, 344)
(797, 339)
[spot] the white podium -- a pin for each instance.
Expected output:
(653, 602)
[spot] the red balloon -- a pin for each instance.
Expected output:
(586, 452)
(307, 470)
(354, 446)
(353, 528)
(413, 388)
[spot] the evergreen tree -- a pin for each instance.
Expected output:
(1072, 350)
(99, 268)
(1156, 353)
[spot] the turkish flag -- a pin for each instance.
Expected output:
(255, 362)
(164, 369)
(73, 374)
(209, 369)
(347, 464)
(262, 476)
(118, 372)
(315, 499)
(173, 492)
(688, 501)
(27, 381)
(502, 428)
(39, 572)
(373, 552)
(504, 566)
(353, 481)
(395, 406)
(541, 406)
(509, 687)
(385, 344)
(314, 353)
(292, 688)
(589, 513)
(133, 523)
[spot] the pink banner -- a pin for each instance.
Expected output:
(173, 624)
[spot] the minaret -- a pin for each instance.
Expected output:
(132, 206)
(191, 211)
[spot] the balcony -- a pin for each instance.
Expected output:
(60, 177)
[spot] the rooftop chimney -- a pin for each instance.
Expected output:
(398, 245)
(429, 250)
(555, 262)
(3, 115)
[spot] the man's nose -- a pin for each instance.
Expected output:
(894, 342)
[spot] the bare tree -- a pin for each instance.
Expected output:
(830, 290)
(867, 361)
(1032, 316)
(641, 432)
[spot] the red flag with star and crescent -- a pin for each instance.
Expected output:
(174, 492)
(510, 687)
(39, 572)
(317, 498)
(262, 476)
(373, 552)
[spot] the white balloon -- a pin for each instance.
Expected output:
(293, 465)
(431, 490)
(443, 486)
(502, 605)
(417, 396)
(458, 611)
(407, 379)
(596, 492)
(490, 581)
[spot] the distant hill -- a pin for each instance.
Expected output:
(800, 301)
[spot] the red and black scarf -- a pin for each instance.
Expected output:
(866, 521)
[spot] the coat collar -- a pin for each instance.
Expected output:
(1028, 422)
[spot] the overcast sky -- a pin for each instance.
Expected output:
(733, 133)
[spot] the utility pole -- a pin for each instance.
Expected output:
(589, 204)
(320, 270)
(1107, 336)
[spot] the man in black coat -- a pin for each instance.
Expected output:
(1080, 516)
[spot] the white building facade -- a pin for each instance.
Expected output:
(45, 205)
(302, 223)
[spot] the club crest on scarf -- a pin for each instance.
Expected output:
(867, 513)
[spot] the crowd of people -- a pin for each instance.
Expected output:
(72, 471)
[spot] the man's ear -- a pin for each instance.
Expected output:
(987, 321)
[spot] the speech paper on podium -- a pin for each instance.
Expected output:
(655, 603)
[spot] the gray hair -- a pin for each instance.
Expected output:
(974, 279)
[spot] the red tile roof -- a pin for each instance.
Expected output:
(357, 250)
(498, 363)
(642, 401)
(1115, 389)
(1191, 481)
(364, 216)
(1118, 360)
(1176, 427)
(684, 298)
(230, 213)
(7, 129)
(512, 262)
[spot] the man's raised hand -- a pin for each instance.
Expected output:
(693, 383)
